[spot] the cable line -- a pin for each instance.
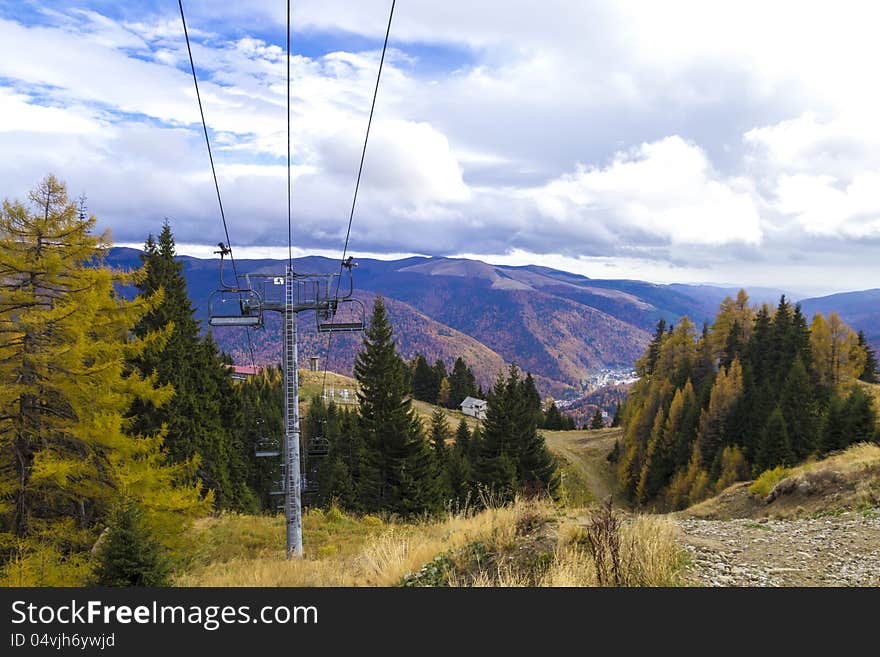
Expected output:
(358, 182)
(213, 169)
(289, 202)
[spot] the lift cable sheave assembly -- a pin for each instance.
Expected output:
(245, 300)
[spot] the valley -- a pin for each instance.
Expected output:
(565, 328)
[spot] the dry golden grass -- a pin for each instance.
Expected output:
(453, 417)
(343, 550)
(649, 555)
(857, 457)
(311, 383)
(365, 551)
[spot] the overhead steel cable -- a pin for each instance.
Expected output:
(207, 140)
(289, 201)
(195, 78)
(358, 184)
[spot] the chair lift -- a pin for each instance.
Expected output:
(309, 485)
(345, 313)
(318, 447)
(232, 305)
(264, 446)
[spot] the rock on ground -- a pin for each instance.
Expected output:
(835, 550)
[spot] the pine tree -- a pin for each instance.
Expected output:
(614, 454)
(552, 418)
(798, 409)
(398, 469)
(462, 383)
(204, 417)
(495, 463)
(424, 380)
(513, 456)
(460, 469)
(653, 354)
(440, 375)
(65, 339)
(712, 435)
(531, 398)
(129, 555)
(444, 393)
(615, 422)
(439, 434)
(860, 418)
(774, 447)
(870, 372)
(834, 434)
(262, 403)
(598, 421)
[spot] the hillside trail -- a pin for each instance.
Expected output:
(587, 452)
(833, 550)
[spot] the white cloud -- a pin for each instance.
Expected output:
(673, 132)
(665, 188)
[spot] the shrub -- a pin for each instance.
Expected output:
(128, 555)
(767, 481)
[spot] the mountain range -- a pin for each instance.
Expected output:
(562, 327)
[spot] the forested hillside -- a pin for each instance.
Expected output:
(121, 422)
(757, 389)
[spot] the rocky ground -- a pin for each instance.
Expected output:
(835, 550)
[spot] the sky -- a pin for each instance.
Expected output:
(682, 141)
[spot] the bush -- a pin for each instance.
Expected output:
(767, 481)
(128, 555)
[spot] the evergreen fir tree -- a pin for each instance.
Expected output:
(495, 464)
(798, 409)
(870, 372)
(513, 456)
(553, 420)
(615, 422)
(532, 400)
(774, 447)
(128, 554)
(440, 375)
(203, 417)
(398, 470)
(834, 430)
(462, 383)
(860, 418)
(654, 348)
(424, 381)
(598, 421)
(439, 434)
(614, 454)
(459, 469)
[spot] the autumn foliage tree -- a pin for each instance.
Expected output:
(756, 389)
(66, 455)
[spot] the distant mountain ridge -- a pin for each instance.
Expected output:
(560, 326)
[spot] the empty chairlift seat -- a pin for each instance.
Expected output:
(344, 315)
(235, 308)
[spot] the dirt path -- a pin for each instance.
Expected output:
(839, 550)
(587, 452)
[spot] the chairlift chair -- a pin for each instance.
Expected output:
(235, 307)
(265, 447)
(343, 316)
(318, 446)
